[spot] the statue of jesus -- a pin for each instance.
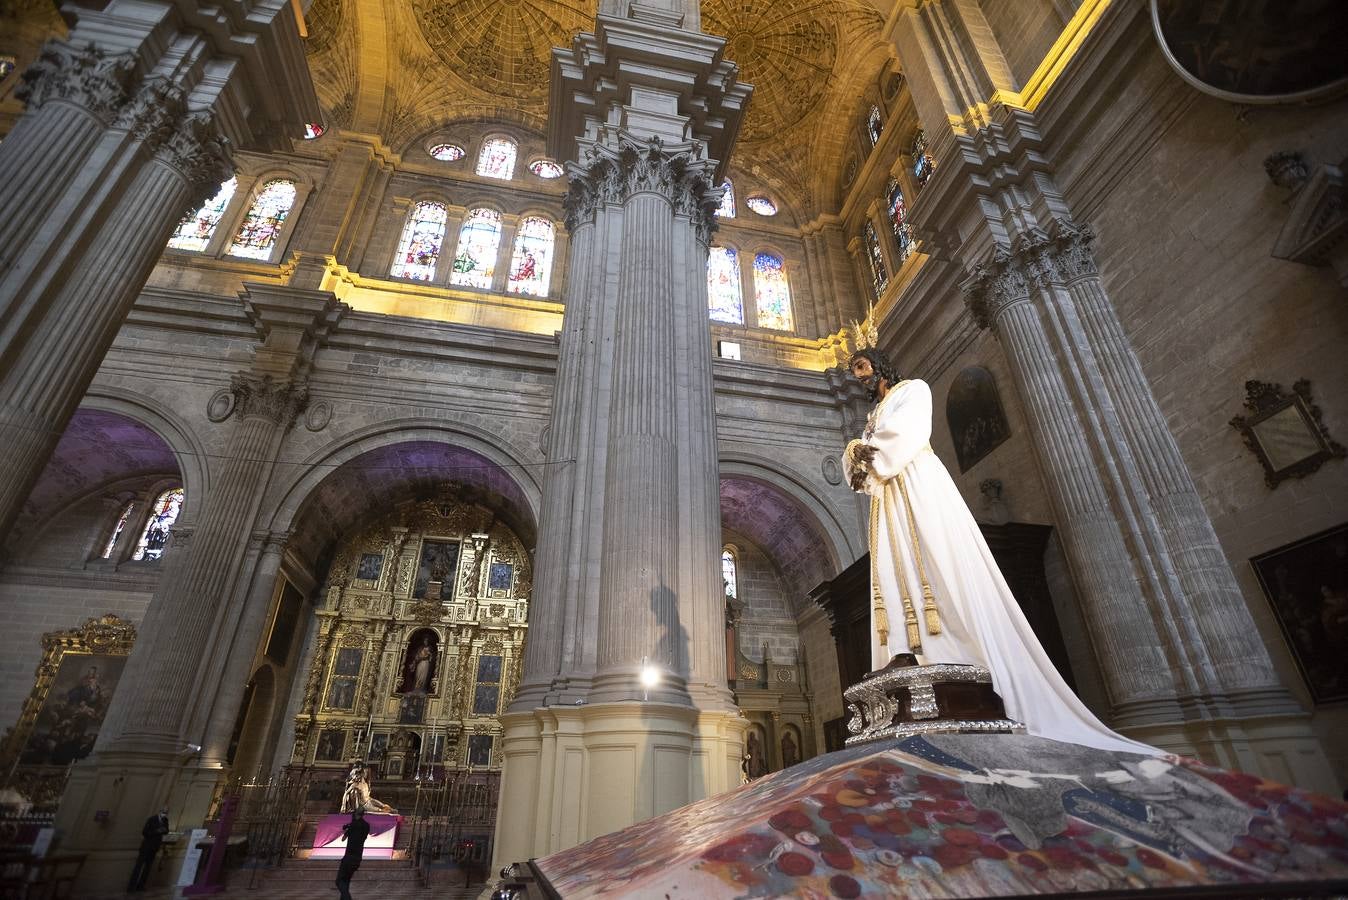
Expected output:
(936, 590)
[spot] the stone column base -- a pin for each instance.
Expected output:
(572, 773)
(1282, 748)
(109, 797)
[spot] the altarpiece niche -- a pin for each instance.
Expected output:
(420, 641)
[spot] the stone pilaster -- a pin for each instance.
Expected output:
(128, 126)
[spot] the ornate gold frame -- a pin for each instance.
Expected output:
(105, 635)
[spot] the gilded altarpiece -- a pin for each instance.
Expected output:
(419, 643)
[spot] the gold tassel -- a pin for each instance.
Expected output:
(931, 614)
(914, 636)
(881, 620)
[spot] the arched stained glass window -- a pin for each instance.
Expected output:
(531, 261)
(162, 516)
(117, 530)
(314, 131)
(772, 293)
(195, 230)
(725, 299)
(497, 159)
(419, 248)
(761, 205)
(546, 168)
(479, 239)
(876, 260)
(874, 125)
(727, 208)
(729, 573)
(898, 219)
(445, 152)
(922, 163)
(261, 228)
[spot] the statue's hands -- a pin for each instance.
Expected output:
(858, 458)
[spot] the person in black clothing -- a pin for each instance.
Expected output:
(355, 831)
(151, 836)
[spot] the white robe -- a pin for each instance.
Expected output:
(981, 622)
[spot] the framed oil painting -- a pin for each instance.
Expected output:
(1306, 583)
(973, 410)
(73, 688)
(436, 570)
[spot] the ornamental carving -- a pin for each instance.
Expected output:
(89, 77)
(277, 401)
(198, 150)
(154, 112)
(682, 177)
(1035, 260)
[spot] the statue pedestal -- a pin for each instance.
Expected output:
(904, 699)
(330, 843)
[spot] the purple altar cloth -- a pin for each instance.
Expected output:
(329, 843)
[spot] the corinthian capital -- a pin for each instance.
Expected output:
(613, 174)
(154, 112)
(86, 76)
(276, 401)
(1036, 260)
(198, 150)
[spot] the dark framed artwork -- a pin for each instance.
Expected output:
(479, 750)
(331, 745)
(501, 577)
(486, 699)
(435, 571)
(489, 668)
(1306, 583)
(1284, 431)
(973, 410)
(348, 661)
(369, 567)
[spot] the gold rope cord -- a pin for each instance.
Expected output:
(929, 612)
(909, 613)
(878, 614)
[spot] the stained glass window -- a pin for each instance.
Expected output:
(479, 238)
(313, 130)
(546, 168)
(162, 516)
(497, 159)
(898, 219)
(117, 531)
(419, 248)
(446, 152)
(876, 260)
(262, 226)
(772, 294)
(922, 163)
(762, 205)
(727, 208)
(874, 125)
(728, 574)
(724, 295)
(531, 261)
(195, 230)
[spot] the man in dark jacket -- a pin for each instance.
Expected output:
(151, 836)
(356, 831)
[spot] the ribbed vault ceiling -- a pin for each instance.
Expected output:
(404, 67)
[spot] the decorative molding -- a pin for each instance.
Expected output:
(221, 405)
(1036, 259)
(1298, 429)
(1316, 230)
(277, 401)
(1287, 169)
(318, 415)
(612, 175)
(89, 77)
(198, 150)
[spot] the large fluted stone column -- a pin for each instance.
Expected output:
(193, 634)
(128, 126)
(1182, 660)
(627, 572)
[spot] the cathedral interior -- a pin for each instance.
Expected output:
(460, 386)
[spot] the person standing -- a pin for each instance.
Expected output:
(151, 837)
(937, 592)
(355, 832)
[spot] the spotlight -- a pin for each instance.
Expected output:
(650, 676)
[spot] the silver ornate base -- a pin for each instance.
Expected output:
(902, 701)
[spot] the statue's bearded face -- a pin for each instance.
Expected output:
(863, 371)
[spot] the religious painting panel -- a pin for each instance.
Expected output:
(412, 709)
(501, 576)
(479, 750)
(331, 745)
(973, 410)
(419, 662)
(73, 688)
(369, 567)
(486, 699)
(378, 746)
(1306, 583)
(435, 571)
(348, 661)
(488, 668)
(283, 625)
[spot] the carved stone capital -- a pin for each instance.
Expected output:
(86, 76)
(612, 175)
(276, 401)
(1036, 260)
(197, 149)
(153, 112)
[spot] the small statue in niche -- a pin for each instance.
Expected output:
(419, 663)
(357, 793)
(755, 764)
(790, 753)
